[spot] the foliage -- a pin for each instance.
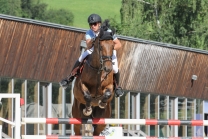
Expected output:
(179, 22)
(34, 9)
(59, 16)
(10, 7)
(116, 25)
(27, 7)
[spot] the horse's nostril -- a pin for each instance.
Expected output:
(107, 69)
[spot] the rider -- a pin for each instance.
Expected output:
(94, 21)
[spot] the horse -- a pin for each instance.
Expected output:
(93, 89)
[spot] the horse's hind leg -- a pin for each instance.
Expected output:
(76, 113)
(101, 113)
(77, 129)
(98, 129)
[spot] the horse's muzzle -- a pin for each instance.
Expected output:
(107, 69)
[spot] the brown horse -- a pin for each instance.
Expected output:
(93, 89)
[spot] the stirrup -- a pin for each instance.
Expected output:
(65, 82)
(119, 92)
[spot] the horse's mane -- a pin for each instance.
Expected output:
(104, 33)
(106, 25)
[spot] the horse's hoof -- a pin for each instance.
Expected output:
(102, 105)
(87, 112)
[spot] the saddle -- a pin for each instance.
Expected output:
(78, 70)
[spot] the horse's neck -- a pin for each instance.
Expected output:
(95, 56)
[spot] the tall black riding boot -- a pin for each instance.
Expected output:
(64, 83)
(118, 90)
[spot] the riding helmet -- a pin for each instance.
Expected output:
(93, 18)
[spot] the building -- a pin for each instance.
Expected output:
(161, 81)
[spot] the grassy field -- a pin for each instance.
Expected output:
(83, 8)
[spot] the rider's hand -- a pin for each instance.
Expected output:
(93, 39)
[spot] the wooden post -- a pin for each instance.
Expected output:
(116, 108)
(146, 113)
(127, 103)
(183, 114)
(1, 112)
(156, 115)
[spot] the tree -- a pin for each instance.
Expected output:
(59, 16)
(34, 9)
(10, 7)
(181, 22)
(38, 11)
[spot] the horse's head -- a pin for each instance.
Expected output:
(106, 47)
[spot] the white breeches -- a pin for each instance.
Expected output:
(114, 58)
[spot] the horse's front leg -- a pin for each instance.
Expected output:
(87, 97)
(107, 93)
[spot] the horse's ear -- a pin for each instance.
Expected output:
(105, 25)
(113, 31)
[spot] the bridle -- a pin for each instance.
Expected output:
(102, 59)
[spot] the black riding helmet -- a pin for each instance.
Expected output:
(93, 18)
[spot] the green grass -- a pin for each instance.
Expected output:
(83, 8)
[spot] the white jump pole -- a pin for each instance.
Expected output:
(115, 121)
(103, 137)
(77, 137)
(107, 121)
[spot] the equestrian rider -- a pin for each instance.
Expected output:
(94, 21)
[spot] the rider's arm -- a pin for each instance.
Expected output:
(89, 43)
(89, 38)
(117, 44)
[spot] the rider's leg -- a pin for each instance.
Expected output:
(73, 73)
(118, 90)
(70, 78)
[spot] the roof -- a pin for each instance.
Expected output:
(43, 23)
